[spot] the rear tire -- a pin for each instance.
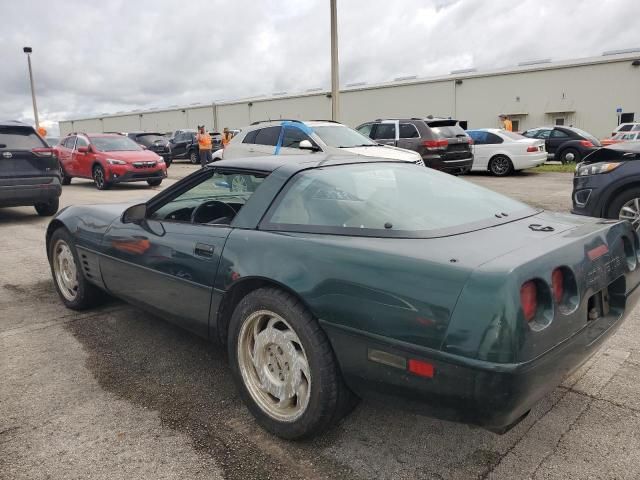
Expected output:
(155, 182)
(284, 367)
(630, 201)
(193, 157)
(74, 290)
(100, 178)
(48, 209)
(570, 155)
(500, 166)
(64, 178)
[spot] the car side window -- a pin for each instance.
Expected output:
(543, 134)
(215, 200)
(268, 136)
(250, 137)
(293, 136)
(70, 142)
(558, 134)
(385, 131)
(493, 139)
(479, 137)
(408, 130)
(82, 142)
(365, 129)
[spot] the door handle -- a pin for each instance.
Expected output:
(204, 250)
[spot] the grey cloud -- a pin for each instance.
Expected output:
(94, 56)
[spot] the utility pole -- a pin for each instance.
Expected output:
(28, 51)
(335, 87)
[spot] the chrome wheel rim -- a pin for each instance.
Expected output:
(65, 271)
(630, 211)
(500, 165)
(569, 157)
(98, 177)
(239, 184)
(274, 366)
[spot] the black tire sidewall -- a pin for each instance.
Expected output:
(613, 210)
(509, 170)
(323, 401)
(48, 209)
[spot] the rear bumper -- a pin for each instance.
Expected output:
(493, 395)
(530, 160)
(17, 192)
(437, 162)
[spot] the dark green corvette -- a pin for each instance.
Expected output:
(332, 278)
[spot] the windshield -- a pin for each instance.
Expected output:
(448, 131)
(341, 136)
(115, 144)
(389, 199)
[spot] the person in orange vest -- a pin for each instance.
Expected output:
(226, 137)
(204, 145)
(506, 123)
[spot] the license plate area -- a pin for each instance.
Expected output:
(598, 305)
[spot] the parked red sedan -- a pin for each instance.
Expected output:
(108, 159)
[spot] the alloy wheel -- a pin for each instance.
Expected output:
(274, 366)
(500, 166)
(98, 177)
(631, 211)
(65, 271)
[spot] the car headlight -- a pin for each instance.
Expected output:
(114, 161)
(596, 168)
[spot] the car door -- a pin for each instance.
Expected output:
(179, 145)
(65, 157)
(481, 151)
(386, 132)
(408, 137)
(82, 162)
(168, 262)
(556, 138)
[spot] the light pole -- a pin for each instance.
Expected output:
(28, 51)
(335, 88)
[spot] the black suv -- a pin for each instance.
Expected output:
(154, 141)
(185, 145)
(441, 142)
(29, 170)
(566, 144)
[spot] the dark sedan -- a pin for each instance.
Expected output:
(607, 184)
(327, 279)
(154, 141)
(565, 144)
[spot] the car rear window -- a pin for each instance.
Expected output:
(268, 136)
(150, 139)
(587, 135)
(388, 199)
(20, 138)
(447, 131)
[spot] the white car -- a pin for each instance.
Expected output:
(295, 137)
(501, 152)
(626, 127)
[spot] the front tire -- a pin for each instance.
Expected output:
(501, 166)
(74, 290)
(193, 157)
(284, 367)
(154, 182)
(626, 206)
(100, 178)
(49, 208)
(570, 155)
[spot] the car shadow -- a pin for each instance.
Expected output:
(118, 186)
(159, 366)
(19, 215)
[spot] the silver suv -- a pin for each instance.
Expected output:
(295, 137)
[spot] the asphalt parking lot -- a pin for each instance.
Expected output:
(117, 393)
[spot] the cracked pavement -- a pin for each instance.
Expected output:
(117, 393)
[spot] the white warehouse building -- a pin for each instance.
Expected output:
(594, 94)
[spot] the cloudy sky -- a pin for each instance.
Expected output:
(107, 56)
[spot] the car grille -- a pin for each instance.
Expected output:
(144, 164)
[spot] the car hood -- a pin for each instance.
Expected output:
(132, 156)
(385, 151)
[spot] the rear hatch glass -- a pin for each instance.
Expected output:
(16, 158)
(19, 138)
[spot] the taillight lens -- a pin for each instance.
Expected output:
(529, 300)
(532, 149)
(441, 144)
(586, 143)
(42, 152)
(557, 285)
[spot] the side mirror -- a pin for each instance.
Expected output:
(83, 149)
(135, 214)
(307, 145)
